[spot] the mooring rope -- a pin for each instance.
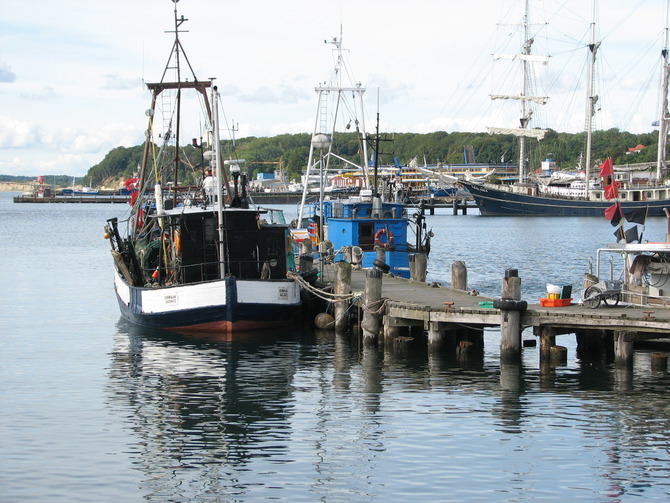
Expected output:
(329, 296)
(377, 307)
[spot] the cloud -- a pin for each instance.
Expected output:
(15, 133)
(96, 141)
(262, 95)
(293, 94)
(115, 81)
(6, 73)
(47, 93)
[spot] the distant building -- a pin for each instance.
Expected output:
(639, 148)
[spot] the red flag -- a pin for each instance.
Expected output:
(612, 191)
(613, 214)
(607, 168)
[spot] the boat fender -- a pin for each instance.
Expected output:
(510, 305)
(176, 236)
(324, 321)
(382, 266)
(380, 233)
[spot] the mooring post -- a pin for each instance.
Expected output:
(371, 315)
(547, 341)
(510, 306)
(381, 253)
(420, 266)
(623, 347)
(391, 331)
(348, 256)
(342, 287)
(459, 276)
(436, 335)
(659, 361)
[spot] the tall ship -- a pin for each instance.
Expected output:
(200, 259)
(611, 189)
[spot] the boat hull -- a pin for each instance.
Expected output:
(495, 202)
(228, 305)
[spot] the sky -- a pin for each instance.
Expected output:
(72, 72)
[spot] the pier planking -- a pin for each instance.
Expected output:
(413, 303)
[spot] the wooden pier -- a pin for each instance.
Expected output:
(462, 204)
(454, 320)
(73, 199)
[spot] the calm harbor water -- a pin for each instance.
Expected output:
(92, 409)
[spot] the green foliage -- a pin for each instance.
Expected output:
(264, 154)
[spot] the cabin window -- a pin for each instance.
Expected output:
(635, 195)
(366, 236)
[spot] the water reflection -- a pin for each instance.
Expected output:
(302, 415)
(203, 405)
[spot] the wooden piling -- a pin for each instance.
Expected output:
(371, 315)
(623, 347)
(342, 287)
(659, 361)
(510, 319)
(547, 341)
(418, 266)
(459, 276)
(436, 335)
(381, 253)
(559, 355)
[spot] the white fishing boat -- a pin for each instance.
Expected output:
(207, 260)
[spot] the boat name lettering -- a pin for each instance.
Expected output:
(171, 299)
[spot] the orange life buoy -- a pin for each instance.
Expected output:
(389, 236)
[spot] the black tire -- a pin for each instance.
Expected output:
(382, 266)
(594, 292)
(510, 305)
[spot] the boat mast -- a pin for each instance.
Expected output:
(523, 97)
(321, 122)
(591, 99)
(174, 63)
(216, 161)
(661, 165)
(525, 114)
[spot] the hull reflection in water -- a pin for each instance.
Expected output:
(303, 415)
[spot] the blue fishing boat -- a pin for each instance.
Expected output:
(372, 228)
(369, 231)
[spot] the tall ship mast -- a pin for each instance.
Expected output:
(661, 164)
(524, 98)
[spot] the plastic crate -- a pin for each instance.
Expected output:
(555, 302)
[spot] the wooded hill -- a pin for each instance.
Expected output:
(264, 154)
